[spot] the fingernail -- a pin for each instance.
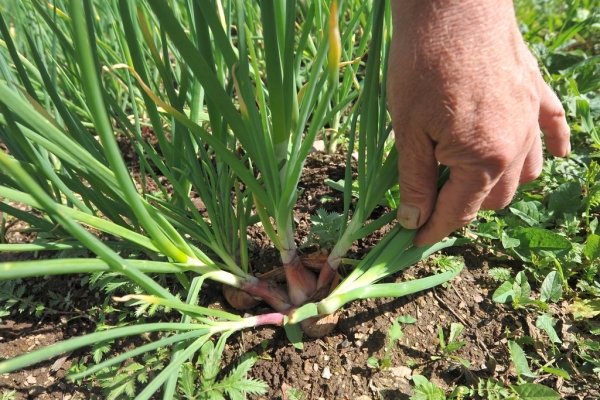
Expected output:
(408, 216)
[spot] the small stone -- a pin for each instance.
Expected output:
(307, 367)
(318, 145)
(326, 357)
(346, 343)
(315, 367)
(326, 373)
(36, 391)
(31, 380)
(401, 372)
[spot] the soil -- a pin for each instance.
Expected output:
(335, 366)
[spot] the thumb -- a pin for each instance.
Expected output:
(418, 171)
(553, 123)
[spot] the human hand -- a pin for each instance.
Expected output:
(464, 90)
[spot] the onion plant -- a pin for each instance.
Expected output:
(234, 93)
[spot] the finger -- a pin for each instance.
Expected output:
(418, 175)
(532, 167)
(457, 204)
(554, 124)
(503, 192)
(525, 168)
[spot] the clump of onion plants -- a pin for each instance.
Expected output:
(234, 93)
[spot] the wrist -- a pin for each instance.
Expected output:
(439, 21)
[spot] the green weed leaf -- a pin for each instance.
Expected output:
(499, 274)
(592, 247)
(531, 212)
(504, 293)
(235, 385)
(565, 199)
(557, 371)
(509, 242)
(537, 240)
(546, 323)
(518, 357)
(455, 330)
(395, 332)
(326, 226)
(187, 380)
(521, 287)
(492, 389)
(453, 346)
(99, 350)
(373, 362)
(406, 319)
(535, 391)
(426, 390)
(551, 287)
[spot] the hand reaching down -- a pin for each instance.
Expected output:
(464, 91)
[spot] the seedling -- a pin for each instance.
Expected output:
(295, 394)
(453, 344)
(394, 333)
(426, 390)
(264, 355)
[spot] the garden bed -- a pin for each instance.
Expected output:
(336, 366)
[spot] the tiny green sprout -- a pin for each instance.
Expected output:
(295, 394)
(453, 344)
(326, 199)
(373, 362)
(395, 333)
(426, 390)
(264, 355)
